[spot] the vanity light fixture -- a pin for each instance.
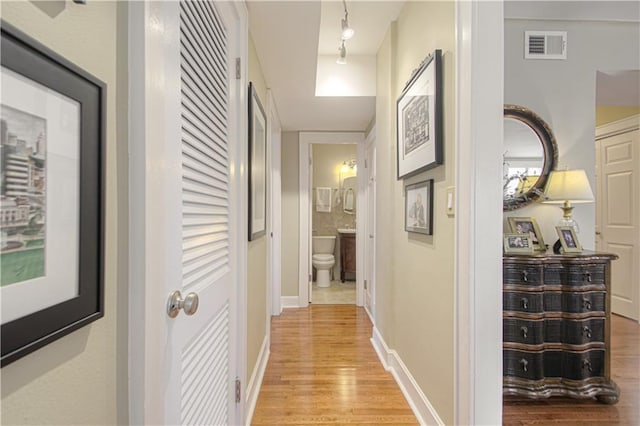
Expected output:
(566, 187)
(349, 165)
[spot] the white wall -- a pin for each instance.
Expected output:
(256, 251)
(563, 94)
(77, 379)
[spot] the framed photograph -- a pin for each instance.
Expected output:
(52, 134)
(418, 199)
(569, 239)
(528, 225)
(518, 243)
(419, 119)
(257, 166)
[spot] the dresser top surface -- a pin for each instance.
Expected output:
(550, 256)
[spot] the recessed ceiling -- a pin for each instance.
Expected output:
(289, 37)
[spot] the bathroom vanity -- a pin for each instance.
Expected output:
(347, 253)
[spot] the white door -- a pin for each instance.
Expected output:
(187, 211)
(370, 244)
(617, 228)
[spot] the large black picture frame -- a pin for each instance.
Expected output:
(257, 166)
(419, 119)
(49, 72)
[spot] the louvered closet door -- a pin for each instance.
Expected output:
(203, 346)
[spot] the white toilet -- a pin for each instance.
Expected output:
(322, 259)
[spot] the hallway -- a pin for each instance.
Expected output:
(324, 370)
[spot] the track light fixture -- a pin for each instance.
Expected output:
(342, 51)
(346, 34)
(347, 31)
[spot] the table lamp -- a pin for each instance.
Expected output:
(566, 187)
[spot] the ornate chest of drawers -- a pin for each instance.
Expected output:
(556, 322)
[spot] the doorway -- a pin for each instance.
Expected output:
(334, 174)
(331, 204)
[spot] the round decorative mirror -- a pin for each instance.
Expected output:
(530, 154)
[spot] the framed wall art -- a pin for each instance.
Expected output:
(419, 119)
(257, 166)
(528, 225)
(418, 199)
(52, 199)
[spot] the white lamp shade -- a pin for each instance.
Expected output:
(568, 185)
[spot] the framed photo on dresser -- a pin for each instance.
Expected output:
(528, 226)
(569, 239)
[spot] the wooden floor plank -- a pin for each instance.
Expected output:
(323, 370)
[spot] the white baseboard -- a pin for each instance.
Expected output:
(391, 361)
(289, 302)
(253, 387)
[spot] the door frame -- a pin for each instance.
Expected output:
(146, 399)
(274, 261)
(479, 99)
(306, 139)
(369, 234)
(619, 127)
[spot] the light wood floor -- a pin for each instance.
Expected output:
(323, 370)
(625, 371)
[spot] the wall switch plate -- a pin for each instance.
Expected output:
(451, 201)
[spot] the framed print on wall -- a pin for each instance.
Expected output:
(257, 166)
(528, 225)
(52, 199)
(419, 119)
(418, 199)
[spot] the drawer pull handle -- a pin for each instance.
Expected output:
(524, 363)
(525, 332)
(587, 277)
(586, 303)
(524, 302)
(525, 276)
(586, 331)
(586, 365)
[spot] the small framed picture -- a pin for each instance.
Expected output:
(529, 226)
(518, 243)
(569, 239)
(418, 208)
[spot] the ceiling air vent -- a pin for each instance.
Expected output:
(545, 45)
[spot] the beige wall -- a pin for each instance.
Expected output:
(74, 380)
(415, 295)
(257, 251)
(290, 213)
(609, 114)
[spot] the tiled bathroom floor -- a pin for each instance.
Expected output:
(336, 294)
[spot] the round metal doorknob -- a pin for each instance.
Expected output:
(189, 304)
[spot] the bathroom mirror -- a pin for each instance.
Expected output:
(530, 154)
(349, 191)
